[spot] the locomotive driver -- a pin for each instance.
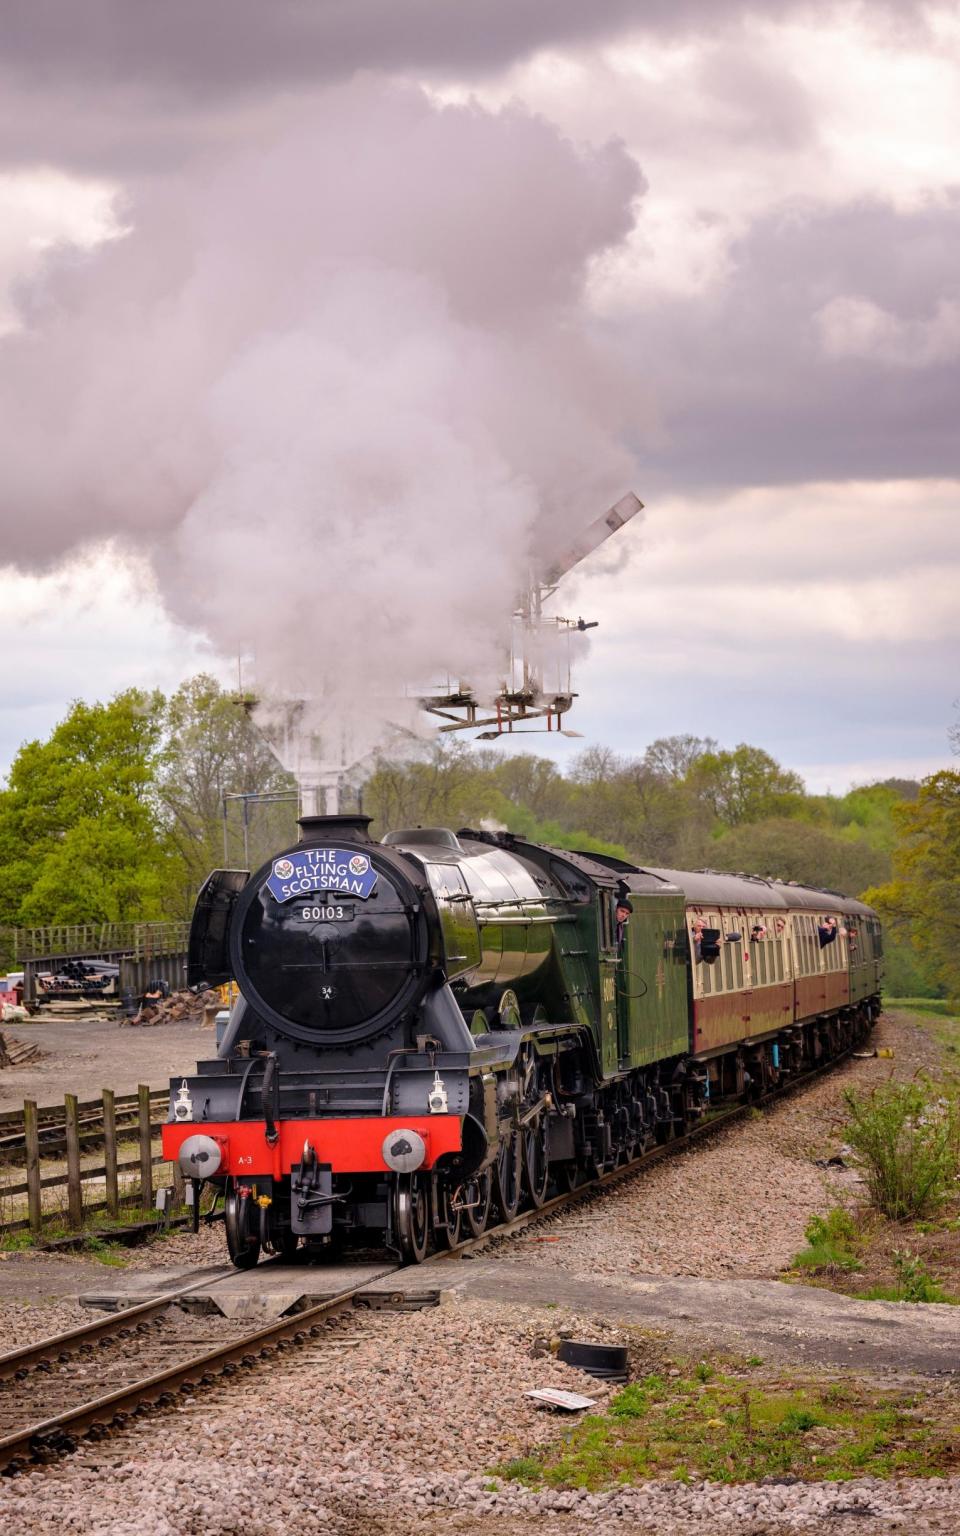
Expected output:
(624, 912)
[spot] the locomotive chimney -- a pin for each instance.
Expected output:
(331, 829)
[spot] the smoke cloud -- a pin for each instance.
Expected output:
(342, 386)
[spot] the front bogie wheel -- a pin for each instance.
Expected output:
(411, 1217)
(241, 1218)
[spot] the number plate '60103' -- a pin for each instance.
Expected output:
(338, 912)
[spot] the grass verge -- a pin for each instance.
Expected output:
(732, 1428)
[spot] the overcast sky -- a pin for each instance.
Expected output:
(768, 252)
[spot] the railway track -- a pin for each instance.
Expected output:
(129, 1356)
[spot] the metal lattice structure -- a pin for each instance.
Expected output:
(536, 692)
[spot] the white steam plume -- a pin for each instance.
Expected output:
(341, 386)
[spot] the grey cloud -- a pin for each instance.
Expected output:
(754, 97)
(113, 85)
(750, 394)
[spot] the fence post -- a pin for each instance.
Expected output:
(146, 1148)
(74, 1190)
(110, 1152)
(32, 1140)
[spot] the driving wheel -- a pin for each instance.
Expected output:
(536, 1163)
(509, 1175)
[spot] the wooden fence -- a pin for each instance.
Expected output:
(143, 941)
(81, 1191)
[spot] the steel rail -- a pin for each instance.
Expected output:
(50, 1437)
(59, 1345)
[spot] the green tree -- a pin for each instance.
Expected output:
(672, 757)
(79, 839)
(922, 901)
(211, 749)
(445, 785)
(533, 782)
(782, 849)
(745, 784)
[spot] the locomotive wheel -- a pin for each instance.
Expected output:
(569, 1176)
(509, 1175)
(448, 1231)
(411, 1216)
(286, 1243)
(241, 1219)
(479, 1193)
(536, 1162)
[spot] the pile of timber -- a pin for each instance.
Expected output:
(191, 1007)
(13, 1053)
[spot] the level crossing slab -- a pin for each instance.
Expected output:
(271, 1289)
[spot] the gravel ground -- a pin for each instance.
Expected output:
(396, 1432)
(24, 1321)
(392, 1425)
(86, 1055)
(208, 1246)
(37, 1290)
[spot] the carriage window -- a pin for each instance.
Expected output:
(606, 922)
(804, 945)
(776, 960)
(728, 966)
(758, 961)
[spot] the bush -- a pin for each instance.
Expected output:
(831, 1239)
(906, 1142)
(913, 1282)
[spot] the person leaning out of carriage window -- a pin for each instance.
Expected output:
(624, 912)
(827, 931)
(697, 935)
(757, 932)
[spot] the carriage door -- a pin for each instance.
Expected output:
(745, 965)
(609, 984)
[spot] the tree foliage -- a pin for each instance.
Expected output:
(209, 751)
(79, 835)
(120, 814)
(922, 901)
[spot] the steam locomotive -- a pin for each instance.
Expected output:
(443, 1025)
